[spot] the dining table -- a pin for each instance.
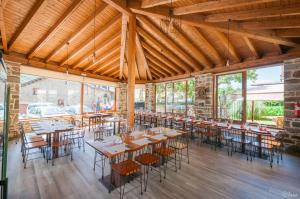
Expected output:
(115, 121)
(93, 118)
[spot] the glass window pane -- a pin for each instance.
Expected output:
(139, 98)
(169, 93)
(191, 98)
(160, 97)
(230, 99)
(265, 91)
(43, 97)
(98, 98)
(179, 105)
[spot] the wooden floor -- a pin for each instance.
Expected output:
(210, 174)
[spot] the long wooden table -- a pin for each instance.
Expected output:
(93, 117)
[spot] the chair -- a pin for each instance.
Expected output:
(77, 137)
(30, 137)
(147, 122)
(62, 139)
(243, 138)
(226, 135)
(126, 168)
(28, 146)
(149, 159)
(181, 143)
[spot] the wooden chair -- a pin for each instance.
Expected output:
(179, 145)
(62, 139)
(77, 137)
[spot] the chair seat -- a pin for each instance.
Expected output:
(147, 159)
(38, 144)
(178, 145)
(61, 143)
(126, 167)
(164, 151)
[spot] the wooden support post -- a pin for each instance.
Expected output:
(131, 69)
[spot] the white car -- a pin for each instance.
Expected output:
(45, 111)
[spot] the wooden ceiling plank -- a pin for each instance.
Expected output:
(99, 50)
(103, 66)
(85, 25)
(115, 74)
(3, 31)
(158, 70)
(112, 67)
(198, 21)
(160, 65)
(90, 40)
(53, 30)
(216, 5)
(102, 58)
(119, 6)
(164, 51)
(170, 66)
(37, 8)
(123, 44)
(190, 48)
(155, 73)
(288, 33)
(140, 64)
(251, 47)
(171, 44)
(271, 24)
(140, 51)
(255, 14)
(196, 35)
(152, 3)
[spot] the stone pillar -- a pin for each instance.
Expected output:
(122, 98)
(13, 79)
(204, 95)
(150, 97)
(291, 96)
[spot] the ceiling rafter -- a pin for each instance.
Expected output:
(85, 25)
(35, 10)
(115, 74)
(271, 24)
(113, 40)
(288, 33)
(152, 3)
(123, 44)
(171, 45)
(53, 30)
(158, 69)
(103, 57)
(198, 21)
(170, 66)
(141, 54)
(255, 14)
(121, 7)
(216, 5)
(103, 66)
(137, 72)
(164, 51)
(155, 74)
(104, 29)
(251, 47)
(197, 36)
(190, 48)
(140, 65)
(159, 64)
(3, 31)
(113, 66)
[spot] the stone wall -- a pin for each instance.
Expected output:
(122, 98)
(204, 95)
(13, 79)
(150, 97)
(291, 96)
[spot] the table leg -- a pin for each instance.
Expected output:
(89, 124)
(114, 128)
(260, 148)
(243, 141)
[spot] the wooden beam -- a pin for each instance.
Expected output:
(271, 24)
(119, 6)
(224, 40)
(103, 66)
(216, 5)
(111, 41)
(291, 10)
(156, 71)
(103, 57)
(164, 60)
(152, 3)
(198, 21)
(123, 45)
(3, 3)
(189, 47)
(113, 67)
(38, 63)
(115, 74)
(3, 31)
(84, 26)
(288, 33)
(267, 60)
(160, 66)
(156, 32)
(103, 30)
(140, 65)
(182, 66)
(137, 72)
(53, 30)
(251, 47)
(141, 54)
(131, 69)
(35, 10)
(199, 39)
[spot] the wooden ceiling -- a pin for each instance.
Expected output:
(64, 35)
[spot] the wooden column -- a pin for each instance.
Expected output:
(131, 69)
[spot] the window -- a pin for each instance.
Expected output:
(43, 97)
(139, 98)
(98, 98)
(169, 95)
(265, 91)
(191, 97)
(179, 104)
(230, 99)
(160, 97)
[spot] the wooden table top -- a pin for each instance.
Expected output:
(46, 127)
